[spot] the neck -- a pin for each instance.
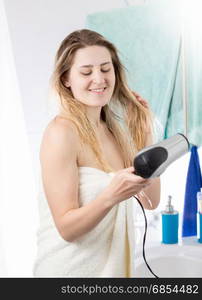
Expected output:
(94, 116)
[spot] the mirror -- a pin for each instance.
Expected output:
(160, 44)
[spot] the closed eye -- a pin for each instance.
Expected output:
(86, 73)
(104, 71)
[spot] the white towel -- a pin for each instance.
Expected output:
(102, 252)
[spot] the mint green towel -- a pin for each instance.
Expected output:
(148, 40)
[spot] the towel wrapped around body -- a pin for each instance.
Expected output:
(105, 251)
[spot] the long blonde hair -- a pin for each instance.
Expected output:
(129, 127)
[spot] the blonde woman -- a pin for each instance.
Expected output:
(87, 152)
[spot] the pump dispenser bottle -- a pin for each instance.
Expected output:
(170, 224)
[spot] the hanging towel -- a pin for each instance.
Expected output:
(193, 185)
(148, 40)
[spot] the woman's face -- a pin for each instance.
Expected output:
(91, 77)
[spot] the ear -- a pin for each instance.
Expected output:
(67, 84)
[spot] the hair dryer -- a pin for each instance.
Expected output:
(152, 161)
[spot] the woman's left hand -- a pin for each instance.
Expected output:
(141, 100)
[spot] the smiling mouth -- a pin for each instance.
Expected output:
(101, 90)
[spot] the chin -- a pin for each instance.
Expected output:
(96, 102)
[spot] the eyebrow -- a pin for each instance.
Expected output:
(90, 66)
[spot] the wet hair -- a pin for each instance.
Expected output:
(134, 119)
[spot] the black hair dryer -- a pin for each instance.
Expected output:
(152, 161)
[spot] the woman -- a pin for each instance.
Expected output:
(87, 151)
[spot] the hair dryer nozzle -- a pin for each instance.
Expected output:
(153, 160)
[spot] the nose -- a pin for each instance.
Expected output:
(98, 77)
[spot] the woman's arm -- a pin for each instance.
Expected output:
(58, 156)
(150, 197)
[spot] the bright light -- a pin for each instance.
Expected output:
(191, 17)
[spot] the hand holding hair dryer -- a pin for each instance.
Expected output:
(152, 161)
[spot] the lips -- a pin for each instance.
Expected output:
(98, 90)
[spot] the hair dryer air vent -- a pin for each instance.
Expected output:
(153, 160)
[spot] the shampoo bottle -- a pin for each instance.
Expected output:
(199, 216)
(170, 224)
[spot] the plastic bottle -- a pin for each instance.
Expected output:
(199, 216)
(170, 224)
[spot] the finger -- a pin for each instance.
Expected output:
(136, 179)
(135, 94)
(143, 102)
(140, 177)
(141, 185)
(129, 170)
(147, 185)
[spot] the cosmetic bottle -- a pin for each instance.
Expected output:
(170, 224)
(199, 216)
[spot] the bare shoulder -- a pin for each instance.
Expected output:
(60, 127)
(60, 135)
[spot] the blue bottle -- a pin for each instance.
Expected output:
(170, 224)
(199, 227)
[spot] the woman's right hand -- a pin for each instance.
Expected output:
(124, 185)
